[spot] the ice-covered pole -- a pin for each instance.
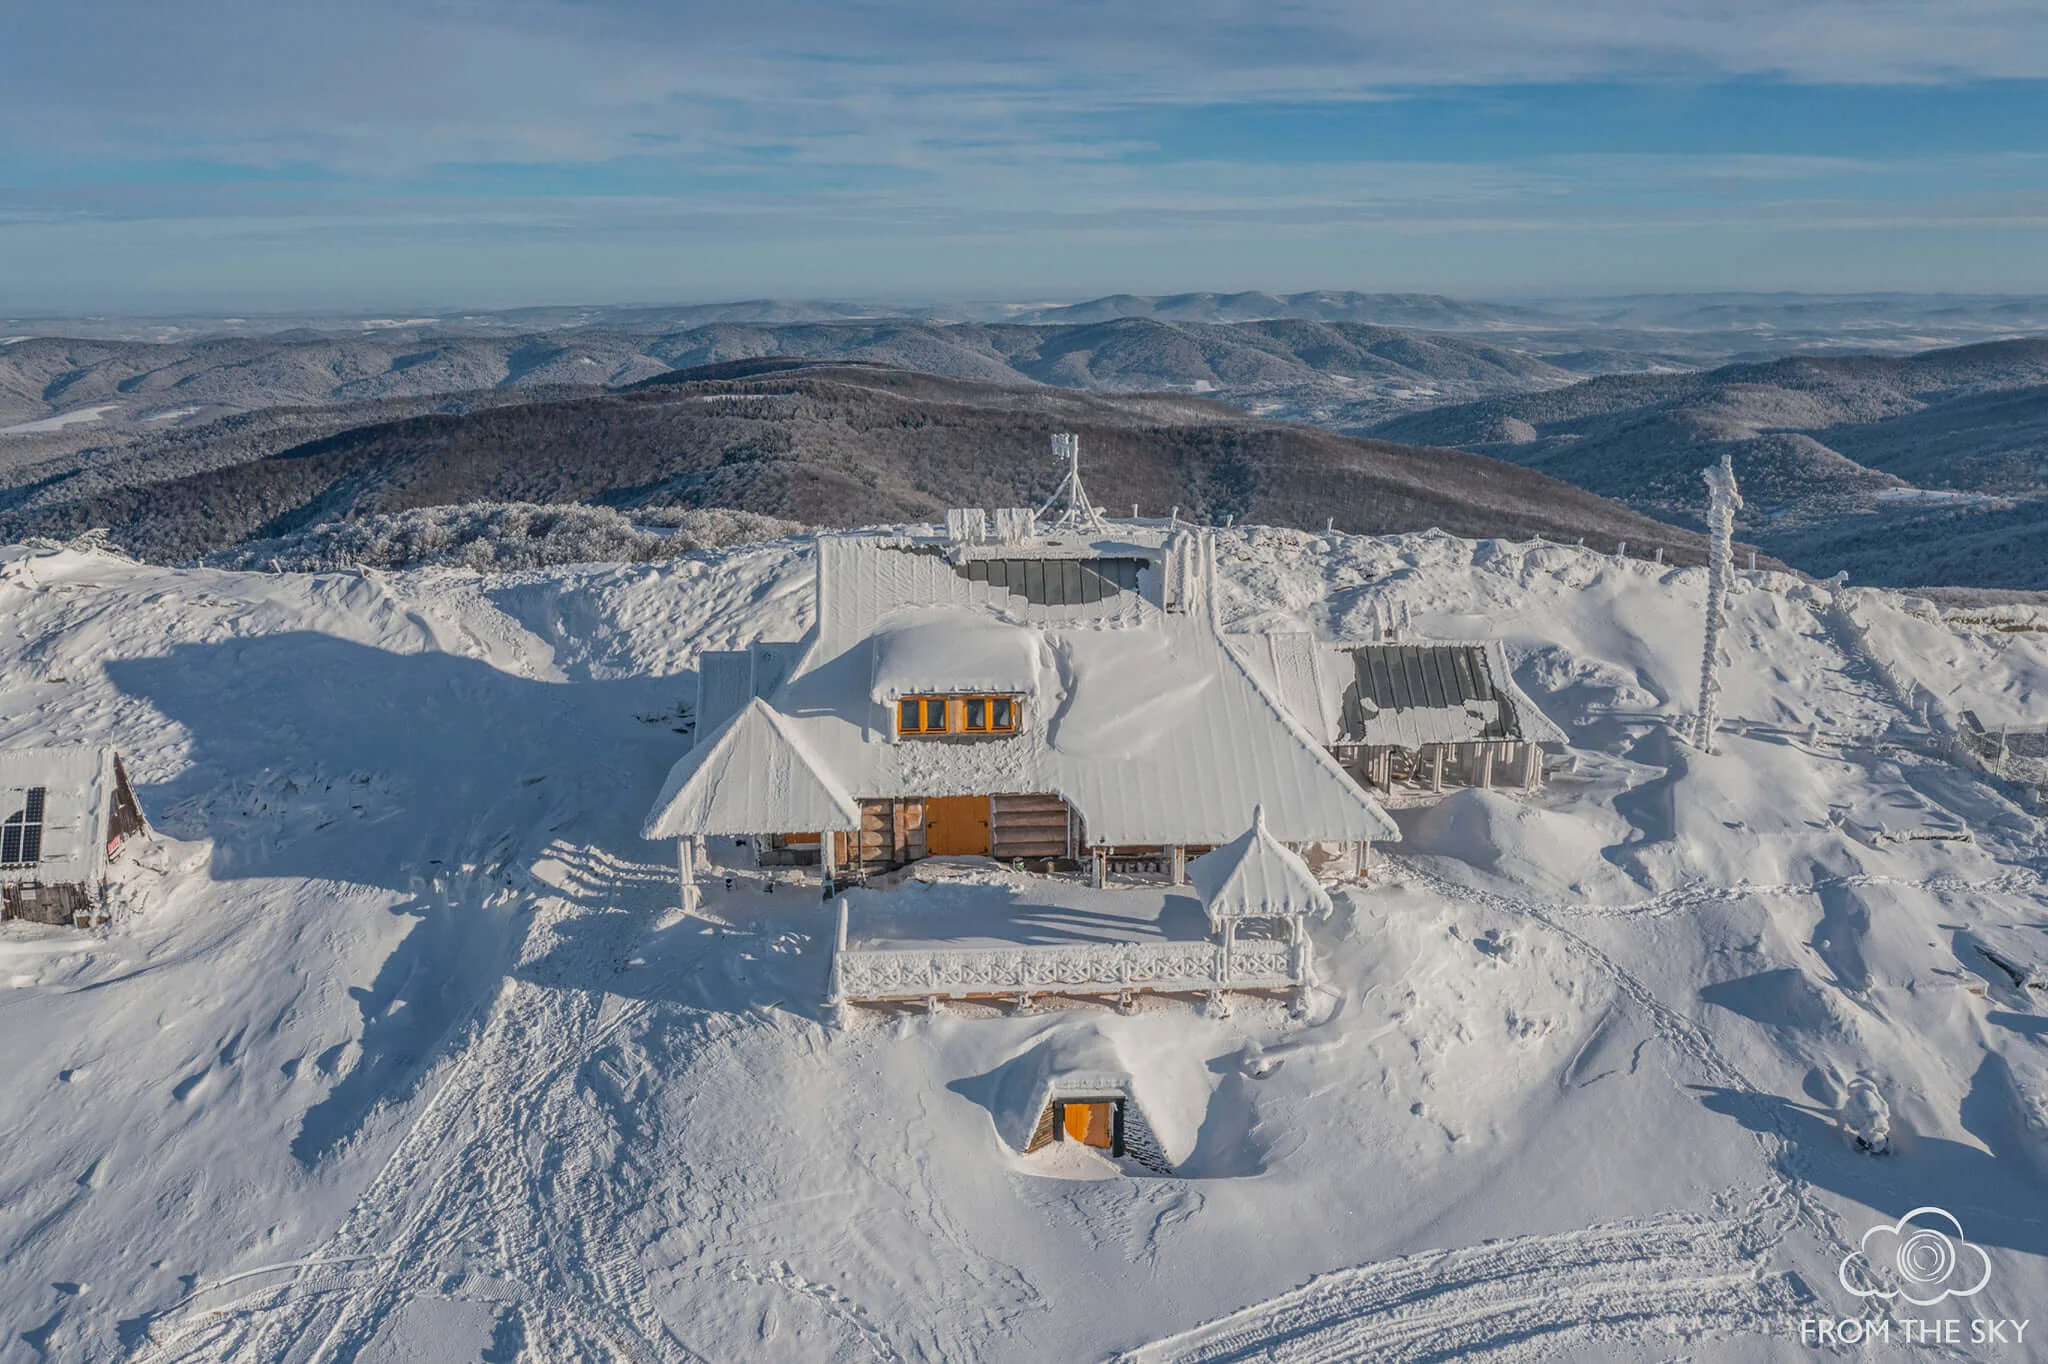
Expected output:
(1079, 512)
(1723, 501)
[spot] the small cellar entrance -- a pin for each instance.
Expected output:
(956, 826)
(1092, 1122)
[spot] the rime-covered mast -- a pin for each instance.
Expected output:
(1078, 513)
(1723, 501)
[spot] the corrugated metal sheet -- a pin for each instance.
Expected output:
(754, 776)
(78, 786)
(1297, 677)
(1408, 695)
(725, 683)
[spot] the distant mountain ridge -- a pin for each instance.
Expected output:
(1332, 371)
(1892, 468)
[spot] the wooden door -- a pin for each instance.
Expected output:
(956, 825)
(1091, 1124)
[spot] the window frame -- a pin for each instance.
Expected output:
(954, 708)
(987, 701)
(924, 701)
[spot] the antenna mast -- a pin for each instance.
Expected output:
(1079, 513)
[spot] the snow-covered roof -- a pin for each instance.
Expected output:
(1071, 1063)
(1136, 714)
(1409, 695)
(753, 776)
(953, 650)
(77, 785)
(1256, 876)
(1291, 663)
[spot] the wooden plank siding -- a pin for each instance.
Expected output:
(1030, 826)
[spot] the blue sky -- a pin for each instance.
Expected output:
(233, 155)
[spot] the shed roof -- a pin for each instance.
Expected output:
(78, 784)
(1409, 695)
(754, 776)
(1256, 876)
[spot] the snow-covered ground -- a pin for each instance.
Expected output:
(84, 416)
(398, 1048)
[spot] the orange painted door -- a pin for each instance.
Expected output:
(1091, 1125)
(956, 825)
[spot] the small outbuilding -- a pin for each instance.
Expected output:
(64, 812)
(1427, 713)
(1074, 1086)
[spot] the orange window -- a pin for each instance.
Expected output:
(921, 715)
(988, 715)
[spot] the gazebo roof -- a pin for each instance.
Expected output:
(1256, 876)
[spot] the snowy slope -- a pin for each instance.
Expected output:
(399, 1050)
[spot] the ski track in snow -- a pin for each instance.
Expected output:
(464, 1209)
(1678, 1277)
(1674, 1277)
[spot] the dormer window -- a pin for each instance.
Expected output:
(987, 715)
(921, 715)
(973, 714)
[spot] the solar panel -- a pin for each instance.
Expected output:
(1056, 582)
(21, 837)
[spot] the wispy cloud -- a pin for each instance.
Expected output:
(462, 142)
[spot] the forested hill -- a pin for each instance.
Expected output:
(841, 444)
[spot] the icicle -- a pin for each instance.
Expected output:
(1723, 501)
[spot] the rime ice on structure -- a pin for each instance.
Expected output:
(1079, 513)
(1723, 502)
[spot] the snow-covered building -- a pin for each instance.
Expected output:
(63, 813)
(1046, 697)
(1430, 712)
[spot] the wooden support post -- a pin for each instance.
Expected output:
(1532, 766)
(1485, 767)
(1180, 865)
(828, 857)
(1436, 767)
(686, 874)
(1100, 874)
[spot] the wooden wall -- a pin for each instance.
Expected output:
(1030, 827)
